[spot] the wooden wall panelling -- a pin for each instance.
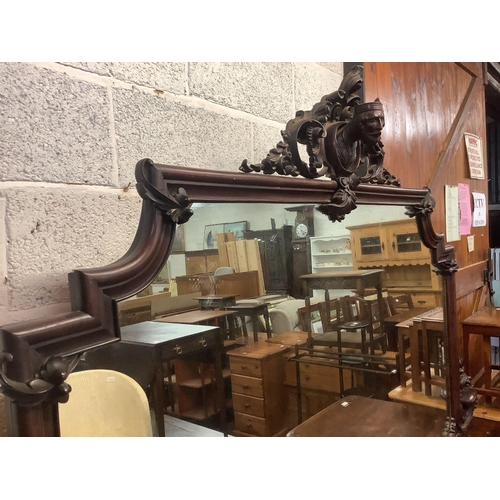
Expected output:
(429, 106)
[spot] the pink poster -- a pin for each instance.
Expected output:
(465, 219)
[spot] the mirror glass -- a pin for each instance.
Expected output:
(272, 254)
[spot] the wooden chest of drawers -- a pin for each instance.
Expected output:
(259, 396)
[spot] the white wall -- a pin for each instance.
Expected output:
(71, 134)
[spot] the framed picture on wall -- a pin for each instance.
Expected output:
(237, 228)
(210, 236)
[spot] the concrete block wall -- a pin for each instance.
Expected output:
(71, 134)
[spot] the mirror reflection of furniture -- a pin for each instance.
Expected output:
(396, 247)
(223, 270)
(398, 303)
(254, 312)
(359, 315)
(105, 403)
(423, 329)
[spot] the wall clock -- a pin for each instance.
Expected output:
(301, 230)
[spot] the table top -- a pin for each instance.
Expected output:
(488, 316)
(217, 297)
(259, 350)
(153, 333)
(357, 416)
(361, 273)
(406, 315)
(247, 307)
(194, 317)
(289, 338)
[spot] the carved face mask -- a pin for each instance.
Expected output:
(371, 125)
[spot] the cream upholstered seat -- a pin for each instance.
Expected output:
(105, 403)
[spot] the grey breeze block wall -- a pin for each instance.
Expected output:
(71, 134)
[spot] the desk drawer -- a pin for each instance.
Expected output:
(249, 386)
(424, 299)
(190, 344)
(245, 366)
(250, 424)
(248, 405)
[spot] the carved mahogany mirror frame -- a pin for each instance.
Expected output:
(38, 355)
(342, 140)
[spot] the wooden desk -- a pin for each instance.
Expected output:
(203, 317)
(485, 322)
(357, 416)
(216, 301)
(168, 341)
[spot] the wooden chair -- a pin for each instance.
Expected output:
(344, 324)
(398, 303)
(359, 315)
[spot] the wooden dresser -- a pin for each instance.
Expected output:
(259, 398)
(396, 247)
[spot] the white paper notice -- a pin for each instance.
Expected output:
(479, 214)
(452, 215)
(475, 156)
(470, 243)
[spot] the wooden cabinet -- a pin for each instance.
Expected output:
(202, 261)
(275, 248)
(396, 247)
(387, 242)
(257, 381)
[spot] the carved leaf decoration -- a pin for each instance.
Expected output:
(150, 186)
(49, 385)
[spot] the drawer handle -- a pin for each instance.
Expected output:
(243, 367)
(421, 301)
(246, 387)
(178, 349)
(203, 343)
(246, 405)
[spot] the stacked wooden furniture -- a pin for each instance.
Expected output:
(259, 401)
(396, 247)
(243, 284)
(138, 309)
(242, 256)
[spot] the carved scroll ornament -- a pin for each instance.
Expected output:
(342, 140)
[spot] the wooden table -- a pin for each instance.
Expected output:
(357, 416)
(253, 311)
(411, 327)
(485, 322)
(168, 341)
(367, 417)
(203, 317)
(216, 301)
(391, 321)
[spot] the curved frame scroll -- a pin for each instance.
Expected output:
(39, 354)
